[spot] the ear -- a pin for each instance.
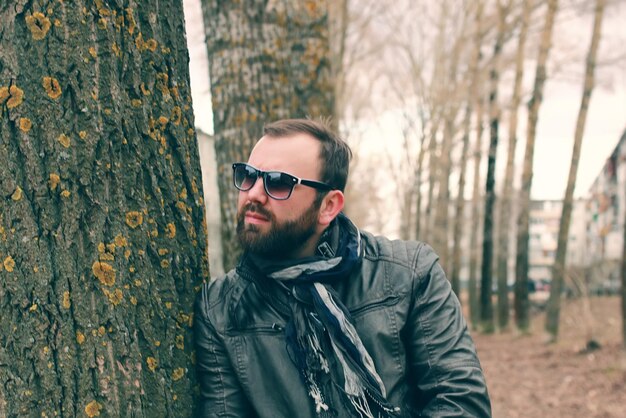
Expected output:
(330, 207)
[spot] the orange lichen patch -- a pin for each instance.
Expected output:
(111, 248)
(176, 115)
(127, 256)
(93, 52)
(25, 124)
(136, 103)
(120, 241)
(102, 23)
(134, 219)
(144, 90)
(52, 87)
(165, 264)
(17, 97)
(152, 363)
(66, 300)
(38, 24)
(190, 132)
(133, 300)
(106, 256)
(131, 20)
(57, 23)
(116, 50)
(183, 193)
(161, 84)
(93, 409)
(9, 264)
(114, 297)
(151, 44)
(4, 94)
(101, 331)
(66, 193)
(54, 181)
(80, 337)
(175, 93)
(82, 134)
(139, 42)
(154, 233)
(180, 342)
(64, 140)
(33, 307)
(101, 247)
(168, 305)
(163, 120)
(178, 373)
(163, 251)
(17, 194)
(104, 272)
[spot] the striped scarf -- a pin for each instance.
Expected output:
(321, 338)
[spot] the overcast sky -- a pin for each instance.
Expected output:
(606, 120)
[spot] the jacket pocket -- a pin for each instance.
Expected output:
(256, 330)
(384, 302)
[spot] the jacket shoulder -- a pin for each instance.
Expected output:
(211, 301)
(415, 255)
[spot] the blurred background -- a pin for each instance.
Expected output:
(494, 130)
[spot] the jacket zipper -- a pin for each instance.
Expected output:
(388, 301)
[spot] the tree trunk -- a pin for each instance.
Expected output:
(476, 211)
(623, 289)
(507, 192)
(267, 61)
(558, 270)
(102, 233)
(486, 304)
(521, 259)
(460, 221)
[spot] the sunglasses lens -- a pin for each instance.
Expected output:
(245, 177)
(279, 185)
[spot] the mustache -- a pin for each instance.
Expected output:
(254, 207)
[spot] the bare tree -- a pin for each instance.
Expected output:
(521, 263)
(558, 270)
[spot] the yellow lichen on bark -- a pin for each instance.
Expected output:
(93, 409)
(152, 363)
(80, 337)
(9, 264)
(151, 45)
(104, 272)
(17, 194)
(38, 24)
(114, 297)
(52, 87)
(25, 124)
(180, 342)
(4, 94)
(134, 219)
(66, 193)
(120, 241)
(54, 181)
(66, 300)
(16, 97)
(64, 140)
(178, 373)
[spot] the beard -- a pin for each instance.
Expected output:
(281, 239)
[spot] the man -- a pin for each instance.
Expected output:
(319, 318)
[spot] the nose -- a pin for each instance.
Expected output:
(257, 192)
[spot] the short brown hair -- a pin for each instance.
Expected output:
(335, 153)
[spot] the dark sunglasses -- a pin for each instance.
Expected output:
(278, 185)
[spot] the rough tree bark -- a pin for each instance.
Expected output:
(267, 60)
(521, 302)
(102, 234)
(507, 191)
(558, 269)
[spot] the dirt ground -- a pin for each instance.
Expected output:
(529, 378)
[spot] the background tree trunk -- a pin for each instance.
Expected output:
(558, 270)
(522, 318)
(102, 233)
(486, 304)
(267, 61)
(507, 191)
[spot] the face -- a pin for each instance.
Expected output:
(282, 228)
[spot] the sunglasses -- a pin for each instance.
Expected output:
(278, 185)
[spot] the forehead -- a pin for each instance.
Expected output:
(297, 154)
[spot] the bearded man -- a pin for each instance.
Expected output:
(319, 318)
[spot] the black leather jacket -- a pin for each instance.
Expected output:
(403, 309)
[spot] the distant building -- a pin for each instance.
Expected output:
(605, 220)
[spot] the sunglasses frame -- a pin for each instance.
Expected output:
(294, 181)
